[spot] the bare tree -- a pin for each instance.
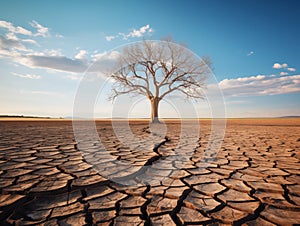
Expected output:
(158, 68)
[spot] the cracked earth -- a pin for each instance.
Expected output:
(46, 179)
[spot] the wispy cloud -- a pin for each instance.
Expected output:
(21, 51)
(29, 76)
(51, 52)
(113, 55)
(59, 63)
(10, 45)
(109, 38)
(260, 85)
(16, 41)
(54, 59)
(250, 53)
(101, 62)
(291, 69)
(14, 29)
(30, 41)
(18, 51)
(12, 36)
(41, 30)
(134, 33)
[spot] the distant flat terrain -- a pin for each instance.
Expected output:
(48, 178)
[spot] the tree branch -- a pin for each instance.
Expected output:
(170, 67)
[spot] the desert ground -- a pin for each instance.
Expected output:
(47, 177)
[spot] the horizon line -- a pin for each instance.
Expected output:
(140, 118)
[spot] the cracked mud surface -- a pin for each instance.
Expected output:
(254, 179)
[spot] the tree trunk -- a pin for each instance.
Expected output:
(154, 110)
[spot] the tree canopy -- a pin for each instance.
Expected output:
(156, 69)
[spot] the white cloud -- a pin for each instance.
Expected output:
(30, 41)
(41, 30)
(81, 55)
(59, 63)
(13, 29)
(123, 35)
(291, 69)
(29, 76)
(105, 62)
(54, 59)
(49, 59)
(52, 52)
(250, 53)
(139, 32)
(15, 48)
(109, 38)
(135, 33)
(12, 36)
(283, 73)
(279, 66)
(260, 85)
(113, 55)
(10, 44)
(232, 83)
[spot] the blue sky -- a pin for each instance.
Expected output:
(46, 45)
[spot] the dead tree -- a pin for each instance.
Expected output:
(156, 69)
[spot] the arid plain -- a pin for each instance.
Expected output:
(46, 179)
